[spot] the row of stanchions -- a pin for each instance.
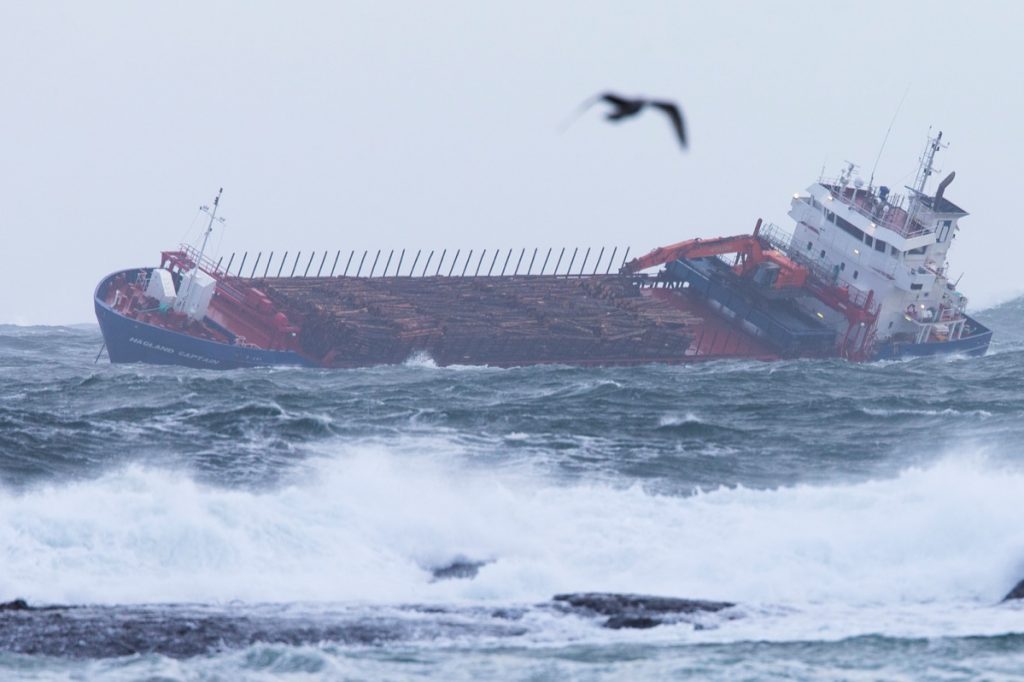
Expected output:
(453, 269)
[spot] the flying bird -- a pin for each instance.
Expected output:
(623, 107)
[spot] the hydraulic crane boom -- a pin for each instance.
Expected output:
(749, 249)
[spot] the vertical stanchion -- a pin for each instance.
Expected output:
(568, 270)
(532, 258)
(320, 270)
(415, 260)
(507, 256)
(559, 261)
(230, 261)
(398, 269)
(519, 262)
(494, 260)
(611, 260)
(242, 264)
(219, 261)
(361, 261)
(545, 261)
(430, 256)
(374, 266)
(269, 261)
(252, 273)
(480, 262)
(305, 273)
(468, 258)
(440, 263)
(626, 256)
(280, 267)
(335, 266)
(584, 263)
(390, 256)
(296, 263)
(454, 261)
(597, 266)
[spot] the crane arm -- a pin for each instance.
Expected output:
(748, 245)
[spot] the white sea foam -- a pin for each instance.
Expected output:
(679, 420)
(420, 360)
(366, 525)
(947, 412)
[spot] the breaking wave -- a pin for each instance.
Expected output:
(369, 524)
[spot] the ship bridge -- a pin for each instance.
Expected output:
(873, 240)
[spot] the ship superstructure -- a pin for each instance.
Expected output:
(889, 247)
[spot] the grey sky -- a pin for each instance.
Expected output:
(414, 124)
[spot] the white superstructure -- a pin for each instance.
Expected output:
(885, 247)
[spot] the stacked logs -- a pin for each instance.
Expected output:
(347, 321)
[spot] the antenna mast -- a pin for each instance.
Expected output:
(183, 296)
(927, 161)
(871, 182)
(209, 227)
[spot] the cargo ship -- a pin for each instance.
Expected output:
(861, 275)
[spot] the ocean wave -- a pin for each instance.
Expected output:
(363, 525)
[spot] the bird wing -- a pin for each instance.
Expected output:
(621, 104)
(612, 98)
(675, 117)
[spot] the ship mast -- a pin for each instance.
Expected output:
(183, 296)
(927, 160)
(213, 216)
(924, 172)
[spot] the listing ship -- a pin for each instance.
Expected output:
(863, 275)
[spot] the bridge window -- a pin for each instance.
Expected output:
(855, 273)
(810, 245)
(880, 246)
(845, 225)
(823, 253)
(868, 240)
(944, 230)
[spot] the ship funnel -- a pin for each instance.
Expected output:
(944, 184)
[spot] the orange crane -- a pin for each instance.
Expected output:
(750, 253)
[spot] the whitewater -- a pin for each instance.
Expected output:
(862, 521)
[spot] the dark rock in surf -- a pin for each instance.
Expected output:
(636, 610)
(16, 605)
(631, 623)
(460, 569)
(1016, 593)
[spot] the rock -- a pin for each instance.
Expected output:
(459, 569)
(637, 610)
(1016, 593)
(631, 622)
(16, 605)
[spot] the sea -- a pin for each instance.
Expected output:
(810, 519)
